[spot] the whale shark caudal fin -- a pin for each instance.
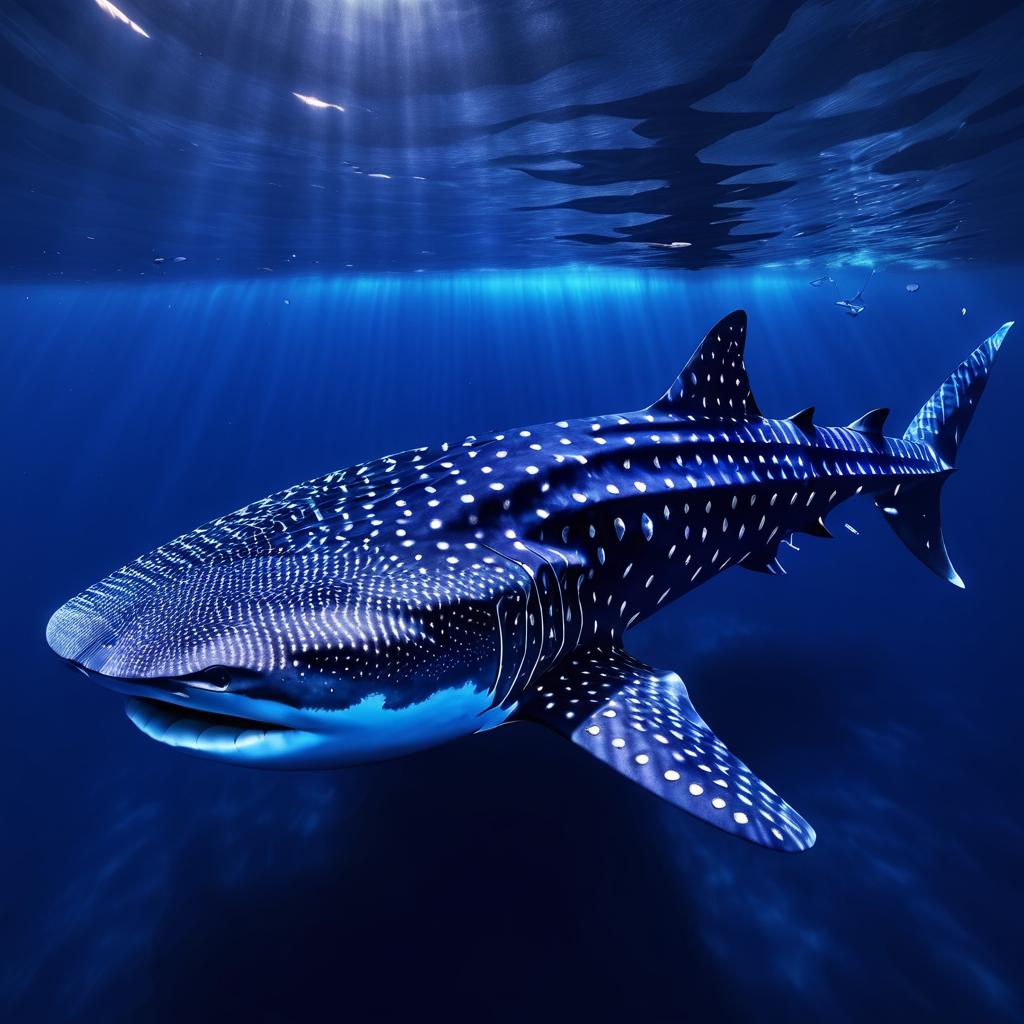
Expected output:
(715, 379)
(640, 722)
(912, 507)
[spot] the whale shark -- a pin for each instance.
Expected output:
(427, 595)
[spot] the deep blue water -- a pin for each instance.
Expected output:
(482, 238)
(510, 874)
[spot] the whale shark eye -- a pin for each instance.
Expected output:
(216, 675)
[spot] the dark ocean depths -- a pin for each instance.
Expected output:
(510, 874)
(211, 289)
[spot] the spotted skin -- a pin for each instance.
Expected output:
(399, 603)
(641, 723)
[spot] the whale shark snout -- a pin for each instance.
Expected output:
(205, 712)
(79, 633)
(206, 676)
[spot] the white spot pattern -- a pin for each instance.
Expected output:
(504, 559)
(651, 732)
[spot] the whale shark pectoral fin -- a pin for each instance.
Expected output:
(640, 721)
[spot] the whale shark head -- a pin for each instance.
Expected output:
(319, 656)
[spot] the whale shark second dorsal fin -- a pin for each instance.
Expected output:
(804, 421)
(871, 423)
(714, 381)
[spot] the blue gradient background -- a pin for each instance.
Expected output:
(508, 875)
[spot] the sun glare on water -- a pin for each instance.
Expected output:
(313, 101)
(119, 15)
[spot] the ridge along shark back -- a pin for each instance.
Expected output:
(401, 603)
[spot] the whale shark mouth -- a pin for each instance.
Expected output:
(206, 732)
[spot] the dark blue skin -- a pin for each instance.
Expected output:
(435, 593)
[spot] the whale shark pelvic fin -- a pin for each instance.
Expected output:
(817, 528)
(714, 381)
(912, 507)
(766, 561)
(640, 721)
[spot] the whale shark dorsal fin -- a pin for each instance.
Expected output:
(714, 381)
(871, 423)
(804, 421)
(640, 721)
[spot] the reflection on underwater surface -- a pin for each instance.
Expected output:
(142, 884)
(260, 137)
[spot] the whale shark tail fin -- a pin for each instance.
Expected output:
(945, 417)
(912, 508)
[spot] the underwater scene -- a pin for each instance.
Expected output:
(453, 718)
